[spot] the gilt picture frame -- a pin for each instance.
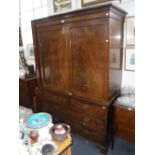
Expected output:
(130, 59)
(115, 58)
(62, 5)
(85, 3)
(130, 31)
(30, 51)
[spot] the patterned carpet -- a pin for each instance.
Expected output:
(82, 146)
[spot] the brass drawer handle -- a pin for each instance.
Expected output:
(103, 107)
(130, 109)
(70, 94)
(62, 21)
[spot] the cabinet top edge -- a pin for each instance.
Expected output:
(91, 9)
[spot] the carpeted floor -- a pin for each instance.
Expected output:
(82, 146)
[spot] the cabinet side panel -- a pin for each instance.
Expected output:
(115, 55)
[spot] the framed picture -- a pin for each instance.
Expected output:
(91, 2)
(130, 59)
(20, 63)
(130, 31)
(30, 51)
(22, 59)
(61, 5)
(115, 58)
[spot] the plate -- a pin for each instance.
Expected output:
(38, 120)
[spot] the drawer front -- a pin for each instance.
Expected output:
(89, 133)
(88, 108)
(57, 100)
(94, 124)
(77, 106)
(51, 107)
(97, 112)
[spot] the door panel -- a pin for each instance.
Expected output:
(87, 60)
(54, 58)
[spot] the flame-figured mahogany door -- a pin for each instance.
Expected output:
(89, 60)
(54, 58)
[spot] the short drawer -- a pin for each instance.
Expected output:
(77, 106)
(99, 112)
(94, 125)
(58, 100)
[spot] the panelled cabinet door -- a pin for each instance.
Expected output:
(88, 56)
(54, 58)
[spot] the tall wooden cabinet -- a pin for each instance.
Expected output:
(73, 53)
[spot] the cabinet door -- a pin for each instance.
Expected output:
(89, 59)
(54, 58)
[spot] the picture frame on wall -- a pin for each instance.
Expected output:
(22, 59)
(30, 51)
(115, 58)
(92, 2)
(130, 59)
(62, 5)
(130, 31)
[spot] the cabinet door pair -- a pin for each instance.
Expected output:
(74, 57)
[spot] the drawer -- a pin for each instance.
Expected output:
(96, 111)
(94, 124)
(50, 106)
(76, 117)
(52, 97)
(58, 100)
(77, 106)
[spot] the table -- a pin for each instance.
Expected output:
(64, 148)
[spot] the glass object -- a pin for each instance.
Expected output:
(34, 135)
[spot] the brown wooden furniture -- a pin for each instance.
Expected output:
(76, 84)
(124, 122)
(26, 91)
